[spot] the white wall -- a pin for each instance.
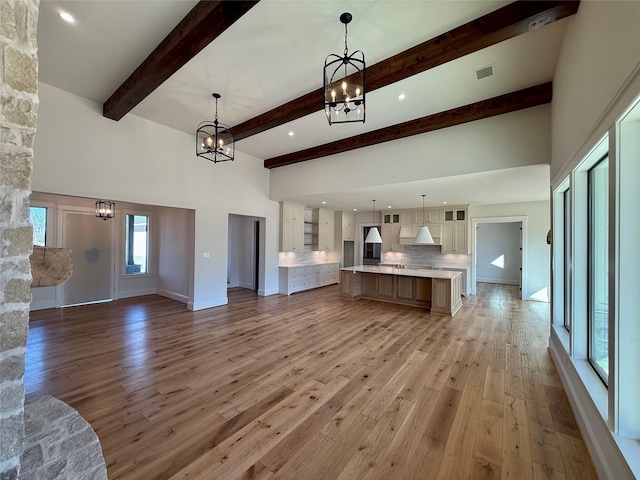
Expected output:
(536, 284)
(511, 140)
(174, 232)
(600, 51)
(79, 152)
(501, 242)
(597, 77)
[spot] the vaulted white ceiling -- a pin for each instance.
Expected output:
(275, 53)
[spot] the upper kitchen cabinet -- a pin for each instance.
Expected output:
(435, 216)
(457, 215)
(325, 230)
(454, 231)
(390, 237)
(410, 217)
(391, 218)
(291, 227)
(454, 237)
(348, 221)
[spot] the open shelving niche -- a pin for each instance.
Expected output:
(310, 229)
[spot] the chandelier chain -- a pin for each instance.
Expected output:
(346, 50)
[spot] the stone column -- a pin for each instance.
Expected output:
(18, 115)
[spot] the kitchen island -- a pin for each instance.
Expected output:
(436, 290)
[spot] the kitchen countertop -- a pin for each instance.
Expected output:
(407, 272)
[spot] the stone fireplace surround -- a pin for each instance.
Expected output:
(46, 438)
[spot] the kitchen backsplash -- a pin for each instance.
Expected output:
(307, 257)
(426, 255)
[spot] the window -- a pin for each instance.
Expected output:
(566, 227)
(371, 251)
(136, 244)
(598, 273)
(38, 217)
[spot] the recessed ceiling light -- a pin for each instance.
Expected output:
(291, 134)
(67, 17)
(388, 206)
(355, 209)
(324, 203)
(444, 203)
(402, 96)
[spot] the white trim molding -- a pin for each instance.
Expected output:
(524, 293)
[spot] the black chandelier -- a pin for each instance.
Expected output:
(344, 83)
(214, 140)
(105, 209)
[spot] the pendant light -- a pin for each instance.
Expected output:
(344, 83)
(374, 234)
(424, 235)
(214, 140)
(105, 209)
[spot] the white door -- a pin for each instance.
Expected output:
(91, 241)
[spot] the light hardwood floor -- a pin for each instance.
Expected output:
(312, 386)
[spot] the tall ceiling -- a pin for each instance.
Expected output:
(275, 53)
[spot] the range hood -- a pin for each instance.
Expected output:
(408, 235)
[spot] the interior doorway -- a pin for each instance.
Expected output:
(245, 255)
(499, 252)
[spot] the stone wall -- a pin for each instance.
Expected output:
(18, 115)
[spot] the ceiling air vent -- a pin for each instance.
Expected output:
(484, 72)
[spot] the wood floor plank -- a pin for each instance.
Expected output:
(516, 458)
(488, 441)
(312, 386)
(444, 413)
(458, 453)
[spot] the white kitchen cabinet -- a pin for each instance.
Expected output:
(305, 277)
(454, 237)
(457, 215)
(325, 230)
(348, 226)
(291, 227)
(434, 216)
(411, 217)
(390, 237)
(391, 218)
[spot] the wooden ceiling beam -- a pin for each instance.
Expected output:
(203, 24)
(510, 102)
(507, 22)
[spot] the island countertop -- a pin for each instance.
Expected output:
(406, 272)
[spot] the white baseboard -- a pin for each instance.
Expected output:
(248, 286)
(233, 284)
(497, 280)
(43, 305)
(266, 293)
(607, 458)
(136, 293)
(209, 303)
(173, 295)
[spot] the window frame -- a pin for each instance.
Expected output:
(50, 228)
(591, 198)
(124, 253)
(566, 259)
